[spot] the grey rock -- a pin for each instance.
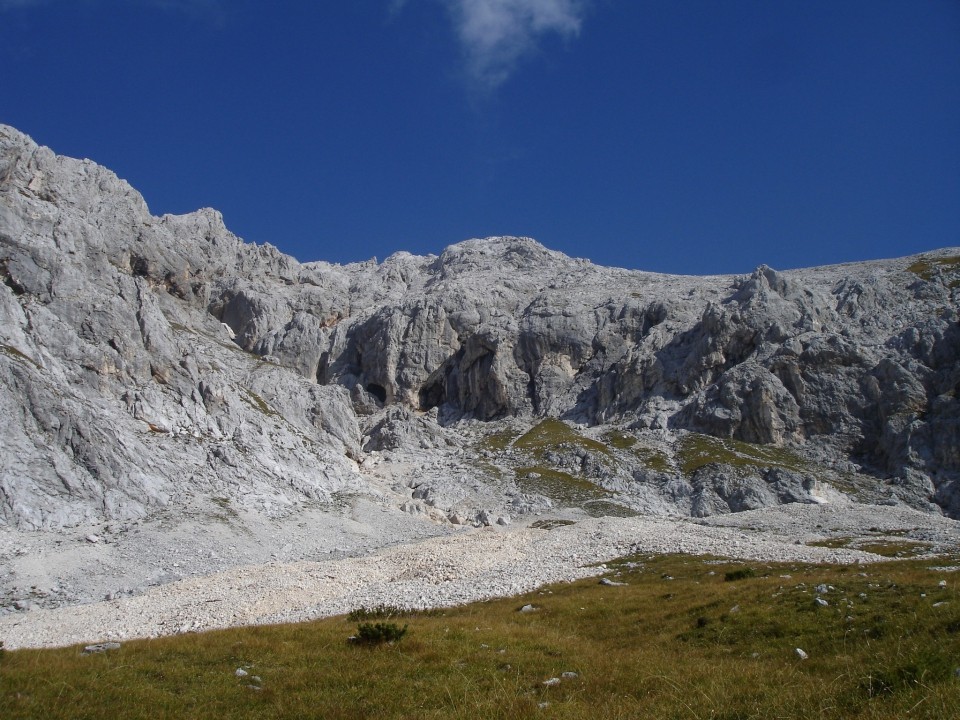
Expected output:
(801, 653)
(145, 360)
(100, 648)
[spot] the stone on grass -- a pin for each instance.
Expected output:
(100, 647)
(611, 583)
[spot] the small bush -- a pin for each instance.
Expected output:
(378, 633)
(740, 574)
(380, 612)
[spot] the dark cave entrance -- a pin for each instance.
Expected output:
(378, 391)
(432, 396)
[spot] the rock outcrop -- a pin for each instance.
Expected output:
(146, 359)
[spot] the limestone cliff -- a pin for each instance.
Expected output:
(150, 359)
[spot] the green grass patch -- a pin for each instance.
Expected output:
(229, 513)
(498, 441)
(607, 508)
(901, 548)
(561, 487)
(551, 523)
(895, 548)
(653, 459)
(649, 458)
(258, 403)
(696, 450)
(928, 267)
(12, 352)
(550, 433)
(835, 543)
(676, 641)
(620, 440)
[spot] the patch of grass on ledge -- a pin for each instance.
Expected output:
(608, 508)
(16, 354)
(696, 450)
(649, 457)
(550, 433)
(559, 486)
(676, 641)
(258, 403)
(928, 267)
(498, 441)
(620, 440)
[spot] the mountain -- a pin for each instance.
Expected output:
(153, 364)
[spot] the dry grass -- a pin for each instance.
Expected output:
(677, 642)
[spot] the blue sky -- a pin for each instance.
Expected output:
(691, 136)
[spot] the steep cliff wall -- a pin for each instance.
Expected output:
(146, 358)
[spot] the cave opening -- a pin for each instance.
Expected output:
(432, 396)
(378, 391)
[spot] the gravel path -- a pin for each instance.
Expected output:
(440, 571)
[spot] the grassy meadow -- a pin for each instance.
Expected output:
(685, 637)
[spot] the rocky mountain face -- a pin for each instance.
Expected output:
(147, 362)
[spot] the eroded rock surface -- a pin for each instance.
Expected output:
(150, 361)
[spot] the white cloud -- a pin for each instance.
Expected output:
(495, 34)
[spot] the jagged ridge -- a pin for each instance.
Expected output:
(150, 359)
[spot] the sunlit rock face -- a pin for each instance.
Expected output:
(146, 360)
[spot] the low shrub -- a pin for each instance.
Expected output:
(379, 633)
(739, 574)
(380, 612)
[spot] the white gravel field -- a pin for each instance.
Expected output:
(473, 564)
